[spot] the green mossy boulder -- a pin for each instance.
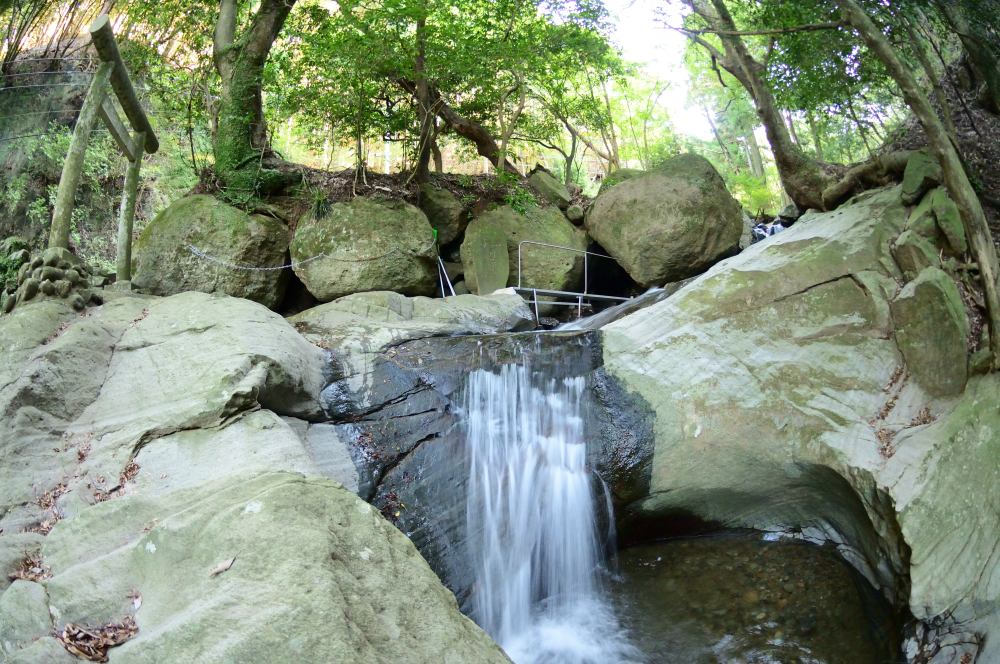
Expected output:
(668, 224)
(923, 173)
(550, 189)
(949, 220)
(615, 178)
(913, 253)
(365, 245)
(229, 242)
(932, 330)
(541, 267)
(444, 211)
(485, 259)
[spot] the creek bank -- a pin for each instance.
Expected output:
(157, 453)
(795, 389)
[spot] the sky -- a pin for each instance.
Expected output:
(641, 32)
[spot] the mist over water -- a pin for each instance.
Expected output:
(533, 527)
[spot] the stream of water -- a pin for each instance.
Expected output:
(536, 546)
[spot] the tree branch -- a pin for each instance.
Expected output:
(810, 27)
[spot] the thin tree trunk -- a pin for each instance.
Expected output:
(814, 131)
(486, 145)
(718, 139)
(756, 158)
(935, 81)
(436, 150)
(791, 128)
(800, 176)
(955, 178)
(424, 114)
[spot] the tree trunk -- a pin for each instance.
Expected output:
(800, 176)
(920, 45)
(424, 114)
(241, 145)
(486, 145)
(574, 143)
(791, 128)
(718, 139)
(955, 178)
(756, 158)
(814, 130)
(436, 150)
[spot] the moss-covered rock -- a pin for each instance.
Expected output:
(485, 260)
(949, 220)
(667, 224)
(365, 245)
(236, 252)
(550, 189)
(931, 330)
(617, 177)
(913, 253)
(923, 173)
(541, 267)
(444, 211)
(791, 393)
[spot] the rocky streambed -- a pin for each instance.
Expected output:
(194, 463)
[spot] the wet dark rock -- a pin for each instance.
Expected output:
(404, 429)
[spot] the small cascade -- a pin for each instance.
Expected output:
(535, 541)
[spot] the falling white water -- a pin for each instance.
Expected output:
(532, 526)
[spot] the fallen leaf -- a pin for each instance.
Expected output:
(222, 567)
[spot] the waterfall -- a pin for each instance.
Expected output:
(532, 523)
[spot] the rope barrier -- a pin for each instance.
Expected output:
(48, 73)
(46, 133)
(20, 60)
(44, 85)
(294, 264)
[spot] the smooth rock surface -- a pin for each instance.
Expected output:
(165, 264)
(782, 401)
(667, 224)
(276, 601)
(485, 259)
(158, 456)
(356, 327)
(365, 245)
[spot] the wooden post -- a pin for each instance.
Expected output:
(126, 214)
(73, 166)
(104, 43)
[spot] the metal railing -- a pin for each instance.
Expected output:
(579, 297)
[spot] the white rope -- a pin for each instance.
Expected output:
(294, 264)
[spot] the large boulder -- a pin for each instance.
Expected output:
(794, 391)
(540, 267)
(550, 189)
(156, 455)
(445, 212)
(357, 326)
(365, 245)
(922, 173)
(614, 178)
(932, 329)
(200, 243)
(668, 224)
